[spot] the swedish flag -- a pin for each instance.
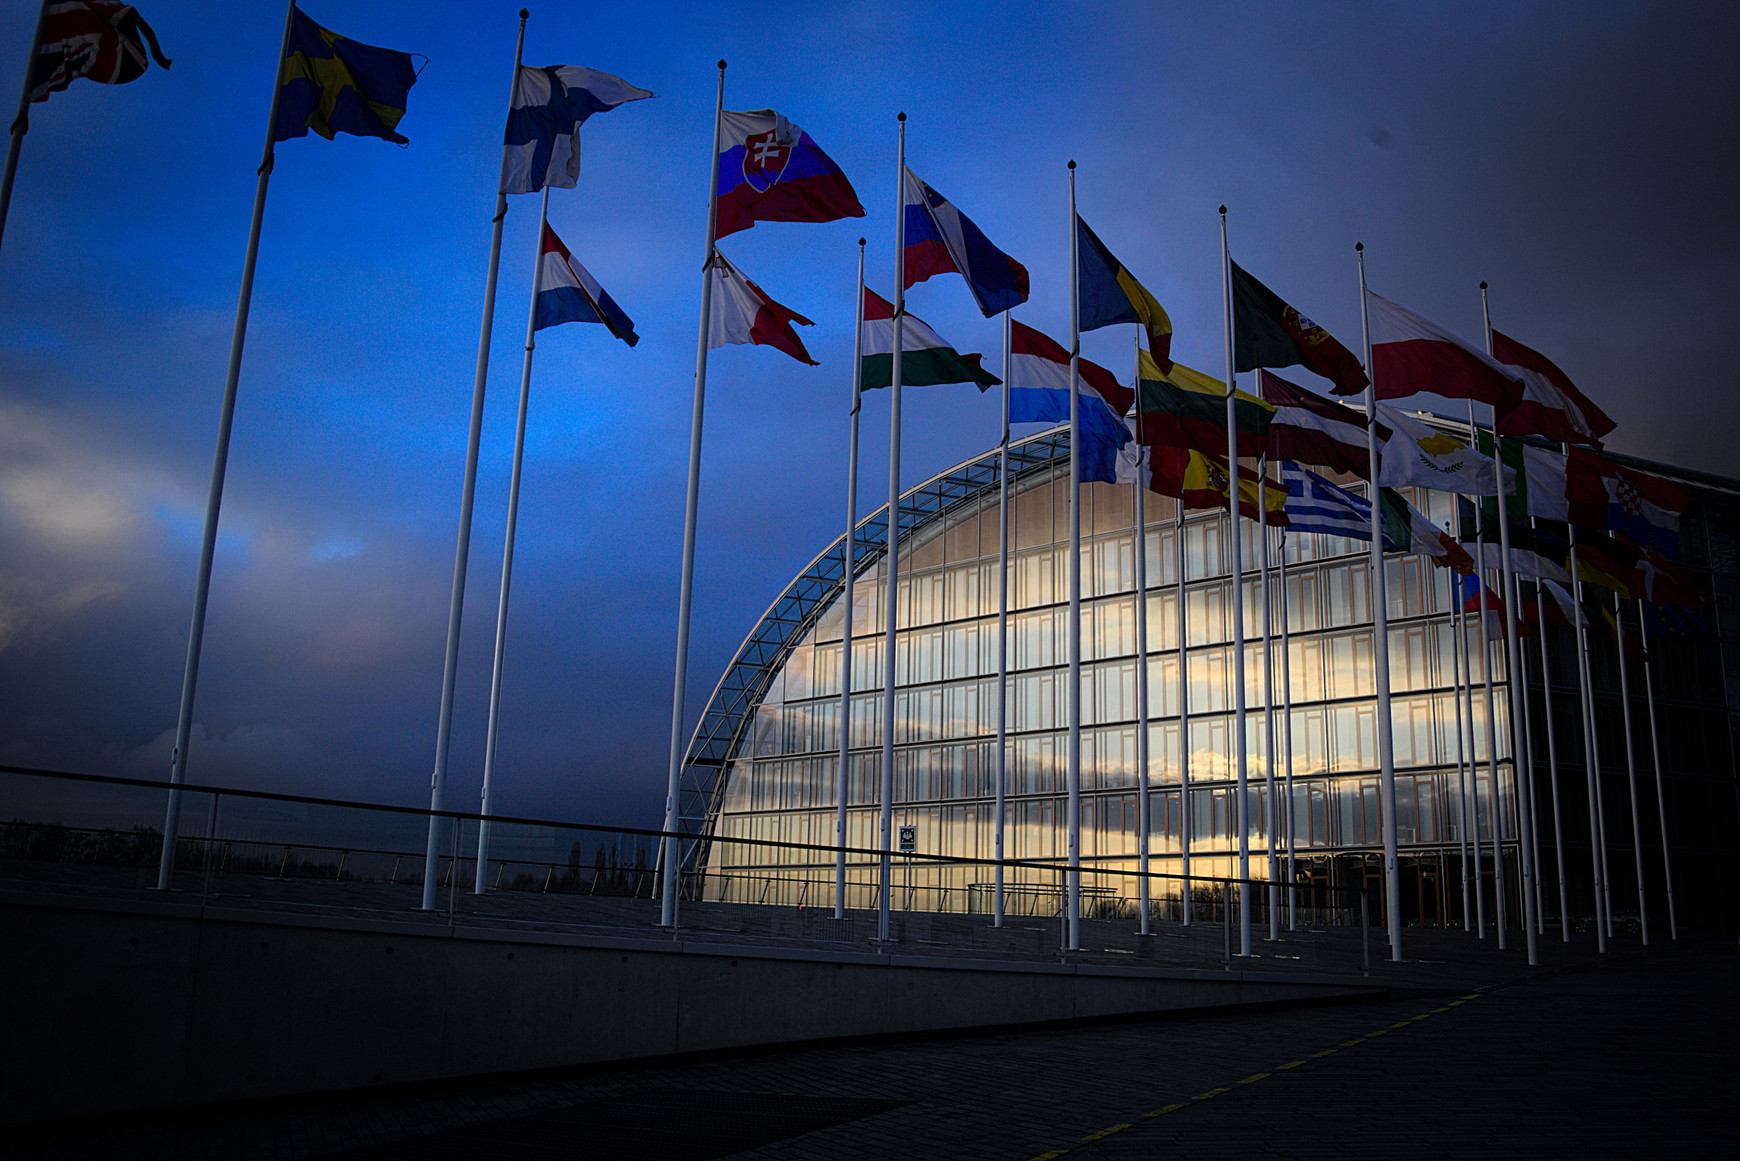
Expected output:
(332, 85)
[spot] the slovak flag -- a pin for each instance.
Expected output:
(770, 171)
(542, 143)
(742, 312)
(567, 293)
(942, 240)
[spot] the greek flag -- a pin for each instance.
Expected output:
(542, 143)
(1316, 505)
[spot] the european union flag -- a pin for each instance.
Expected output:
(332, 85)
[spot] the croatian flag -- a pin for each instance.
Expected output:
(770, 171)
(1039, 393)
(542, 143)
(742, 312)
(567, 293)
(942, 240)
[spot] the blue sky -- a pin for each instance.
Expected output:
(1581, 160)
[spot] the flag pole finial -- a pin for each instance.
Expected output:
(1223, 211)
(1359, 247)
(1483, 284)
(1072, 163)
(860, 243)
(721, 66)
(525, 15)
(900, 117)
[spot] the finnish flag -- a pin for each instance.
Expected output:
(567, 293)
(542, 143)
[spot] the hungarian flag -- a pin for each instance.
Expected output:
(332, 84)
(95, 39)
(1110, 294)
(1269, 333)
(770, 171)
(942, 240)
(1310, 429)
(1182, 407)
(926, 358)
(1201, 480)
(1550, 404)
(742, 312)
(1411, 354)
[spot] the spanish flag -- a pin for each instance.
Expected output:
(1110, 294)
(1201, 480)
(333, 85)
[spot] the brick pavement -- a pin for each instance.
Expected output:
(1630, 1057)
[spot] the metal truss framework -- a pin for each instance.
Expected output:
(720, 732)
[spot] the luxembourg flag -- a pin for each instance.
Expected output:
(567, 293)
(1039, 393)
(942, 240)
(542, 143)
(770, 171)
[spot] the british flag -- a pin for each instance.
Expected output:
(103, 41)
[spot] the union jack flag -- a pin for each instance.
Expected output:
(98, 39)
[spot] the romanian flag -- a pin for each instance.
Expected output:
(1181, 407)
(1269, 333)
(331, 84)
(1201, 480)
(1110, 294)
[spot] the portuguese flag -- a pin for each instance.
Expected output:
(925, 356)
(1187, 409)
(1269, 333)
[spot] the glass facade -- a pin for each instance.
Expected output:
(780, 780)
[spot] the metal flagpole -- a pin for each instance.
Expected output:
(846, 621)
(1381, 643)
(1631, 768)
(1655, 765)
(1591, 751)
(1471, 795)
(1457, 649)
(1287, 738)
(1073, 941)
(21, 123)
(997, 828)
(1141, 547)
(507, 555)
(1553, 765)
(1527, 759)
(1268, 697)
(220, 457)
(668, 848)
(1235, 547)
(1183, 713)
(1493, 798)
(891, 622)
(1521, 763)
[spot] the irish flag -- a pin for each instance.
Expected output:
(925, 356)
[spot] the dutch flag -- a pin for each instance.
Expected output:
(567, 292)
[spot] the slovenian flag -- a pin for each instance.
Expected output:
(770, 171)
(542, 143)
(942, 240)
(567, 293)
(1039, 393)
(742, 312)
(926, 358)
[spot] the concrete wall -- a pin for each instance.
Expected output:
(118, 1005)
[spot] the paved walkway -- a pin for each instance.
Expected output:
(1632, 1056)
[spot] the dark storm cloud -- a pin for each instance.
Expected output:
(1582, 159)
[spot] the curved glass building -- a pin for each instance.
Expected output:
(764, 760)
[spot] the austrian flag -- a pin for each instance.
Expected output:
(742, 312)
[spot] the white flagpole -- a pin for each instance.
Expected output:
(21, 123)
(892, 622)
(997, 828)
(1553, 765)
(1471, 795)
(846, 622)
(1631, 768)
(1268, 696)
(1381, 644)
(1073, 926)
(1141, 546)
(1235, 551)
(1655, 765)
(220, 457)
(1495, 800)
(1287, 738)
(1183, 713)
(1591, 754)
(669, 851)
(1521, 758)
(1456, 652)
(1522, 698)
(507, 555)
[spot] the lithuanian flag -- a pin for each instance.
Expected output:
(1184, 408)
